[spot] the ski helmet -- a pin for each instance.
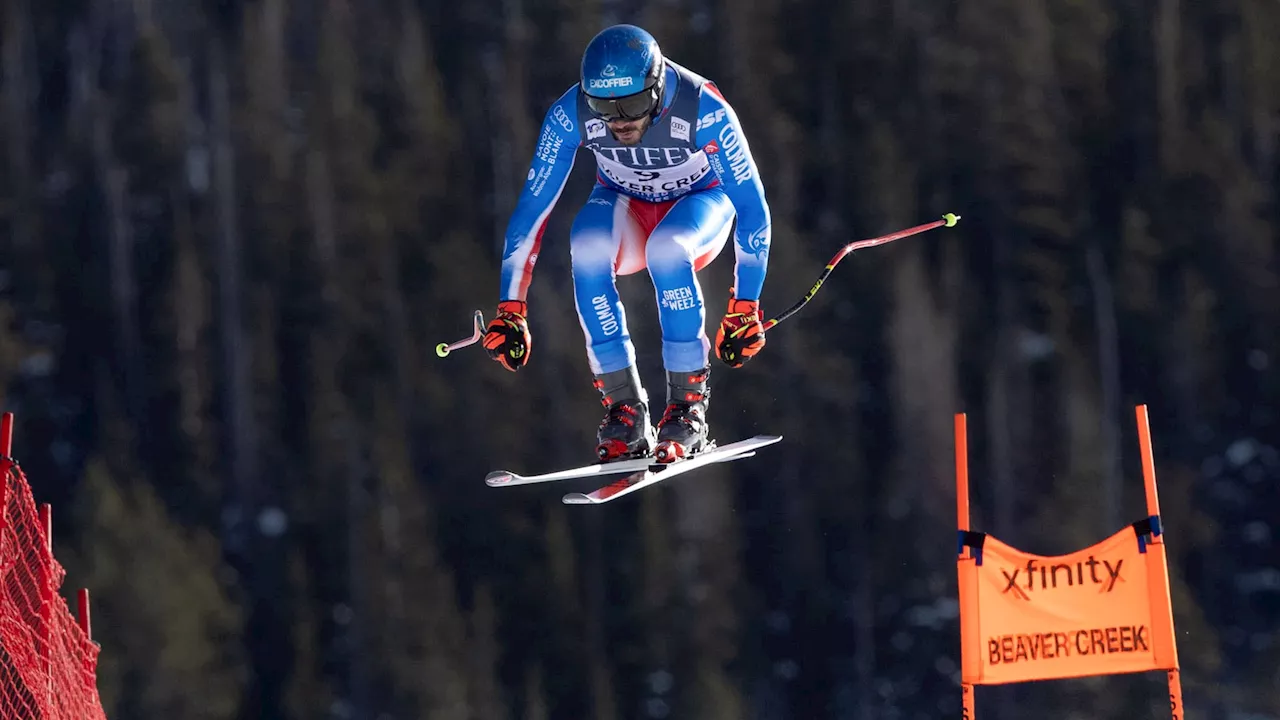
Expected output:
(623, 73)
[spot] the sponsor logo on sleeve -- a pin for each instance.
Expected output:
(538, 180)
(735, 154)
(549, 146)
(679, 128)
(711, 118)
(562, 118)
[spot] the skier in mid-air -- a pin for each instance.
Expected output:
(673, 172)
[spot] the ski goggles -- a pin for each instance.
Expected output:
(630, 107)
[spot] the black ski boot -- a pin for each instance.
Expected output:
(683, 428)
(625, 431)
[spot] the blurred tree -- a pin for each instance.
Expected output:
(17, 184)
(166, 607)
(421, 647)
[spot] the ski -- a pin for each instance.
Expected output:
(504, 478)
(657, 472)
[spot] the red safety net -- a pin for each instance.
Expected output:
(48, 661)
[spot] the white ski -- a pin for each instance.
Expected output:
(503, 478)
(657, 472)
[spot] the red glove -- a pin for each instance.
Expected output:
(741, 333)
(507, 339)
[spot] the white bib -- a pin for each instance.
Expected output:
(653, 180)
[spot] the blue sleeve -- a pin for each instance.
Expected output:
(720, 135)
(552, 162)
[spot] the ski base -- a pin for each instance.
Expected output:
(657, 472)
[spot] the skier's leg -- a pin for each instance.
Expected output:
(603, 241)
(691, 235)
(688, 238)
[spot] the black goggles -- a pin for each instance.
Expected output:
(630, 107)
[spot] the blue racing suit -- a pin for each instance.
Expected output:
(667, 203)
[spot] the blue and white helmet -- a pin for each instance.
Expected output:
(623, 73)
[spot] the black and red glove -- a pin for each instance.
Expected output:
(741, 333)
(507, 340)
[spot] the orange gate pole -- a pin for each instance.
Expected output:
(1153, 510)
(968, 711)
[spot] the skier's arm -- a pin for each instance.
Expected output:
(552, 162)
(719, 130)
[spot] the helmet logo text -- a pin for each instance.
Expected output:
(610, 82)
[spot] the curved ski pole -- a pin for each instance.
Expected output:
(444, 349)
(948, 220)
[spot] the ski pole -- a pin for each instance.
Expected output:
(948, 220)
(444, 349)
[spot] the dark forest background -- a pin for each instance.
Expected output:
(232, 233)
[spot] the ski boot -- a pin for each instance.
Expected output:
(625, 432)
(683, 428)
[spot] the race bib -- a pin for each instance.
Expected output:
(655, 181)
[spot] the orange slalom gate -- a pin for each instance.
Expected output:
(1102, 610)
